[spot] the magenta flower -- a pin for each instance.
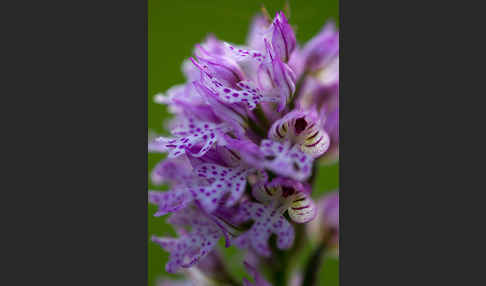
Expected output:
(248, 126)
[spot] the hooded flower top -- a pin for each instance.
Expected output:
(248, 126)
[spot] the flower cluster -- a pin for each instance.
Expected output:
(248, 127)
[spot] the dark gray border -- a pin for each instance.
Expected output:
(408, 211)
(78, 172)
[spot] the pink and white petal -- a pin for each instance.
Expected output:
(315, 144)
(302, 209)
(304, 129)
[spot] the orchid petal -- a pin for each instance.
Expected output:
(189, 248)
(283, 37)
(170, 201)
(288, 195)
(222, 181)
(188, 137)
(304, 129)
(241, 54)
(302, 209)
(267, 220)
(286, 161)
(171, 170)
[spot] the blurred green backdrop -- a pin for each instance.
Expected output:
(173, 29)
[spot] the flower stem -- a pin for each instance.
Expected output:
(279, 264)
(315, 261)
(257, 129)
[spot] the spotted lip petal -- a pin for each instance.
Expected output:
(196, 139)
(222, 181)
(190, 247)
(232, 115)
(240, 54)
(285, 160)
(243, 92)
(267, 220)
(170, 201)
(172, 171)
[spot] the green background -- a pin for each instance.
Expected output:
(173, 29)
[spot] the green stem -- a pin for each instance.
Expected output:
(257, 129)
(315, 261)
(223, 277)
(278, 264)
(261, 117)
(283, 262)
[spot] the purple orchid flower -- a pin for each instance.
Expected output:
(242, 144)
(277, 197)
